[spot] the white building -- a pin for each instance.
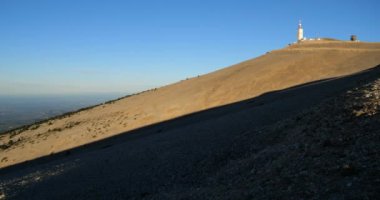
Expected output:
(301, 37)
(300, 32)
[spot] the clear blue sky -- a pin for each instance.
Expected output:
(87, 46)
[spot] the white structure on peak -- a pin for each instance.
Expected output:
(302, 38)
(300, 32)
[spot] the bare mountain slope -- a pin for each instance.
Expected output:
(313, 141)
(276, 70)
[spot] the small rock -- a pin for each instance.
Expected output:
(348, 170)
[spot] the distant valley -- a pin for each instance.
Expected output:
(16, 111)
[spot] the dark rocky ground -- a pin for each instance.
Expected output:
(331, 151)
(316, 141)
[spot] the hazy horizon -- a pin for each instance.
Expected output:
(20, 95)
(19, 110)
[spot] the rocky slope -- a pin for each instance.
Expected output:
(314, 141)
(330, 151)
(276, 70)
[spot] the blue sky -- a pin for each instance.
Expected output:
(89, 46)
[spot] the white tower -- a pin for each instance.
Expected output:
(300, 32)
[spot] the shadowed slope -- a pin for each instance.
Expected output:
(276, 70)
(225, 152)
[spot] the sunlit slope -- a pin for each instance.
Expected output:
(279, 69)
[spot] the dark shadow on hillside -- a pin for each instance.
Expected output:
(307, 94)
(173, 156)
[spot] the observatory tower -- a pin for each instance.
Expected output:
(300, 32)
